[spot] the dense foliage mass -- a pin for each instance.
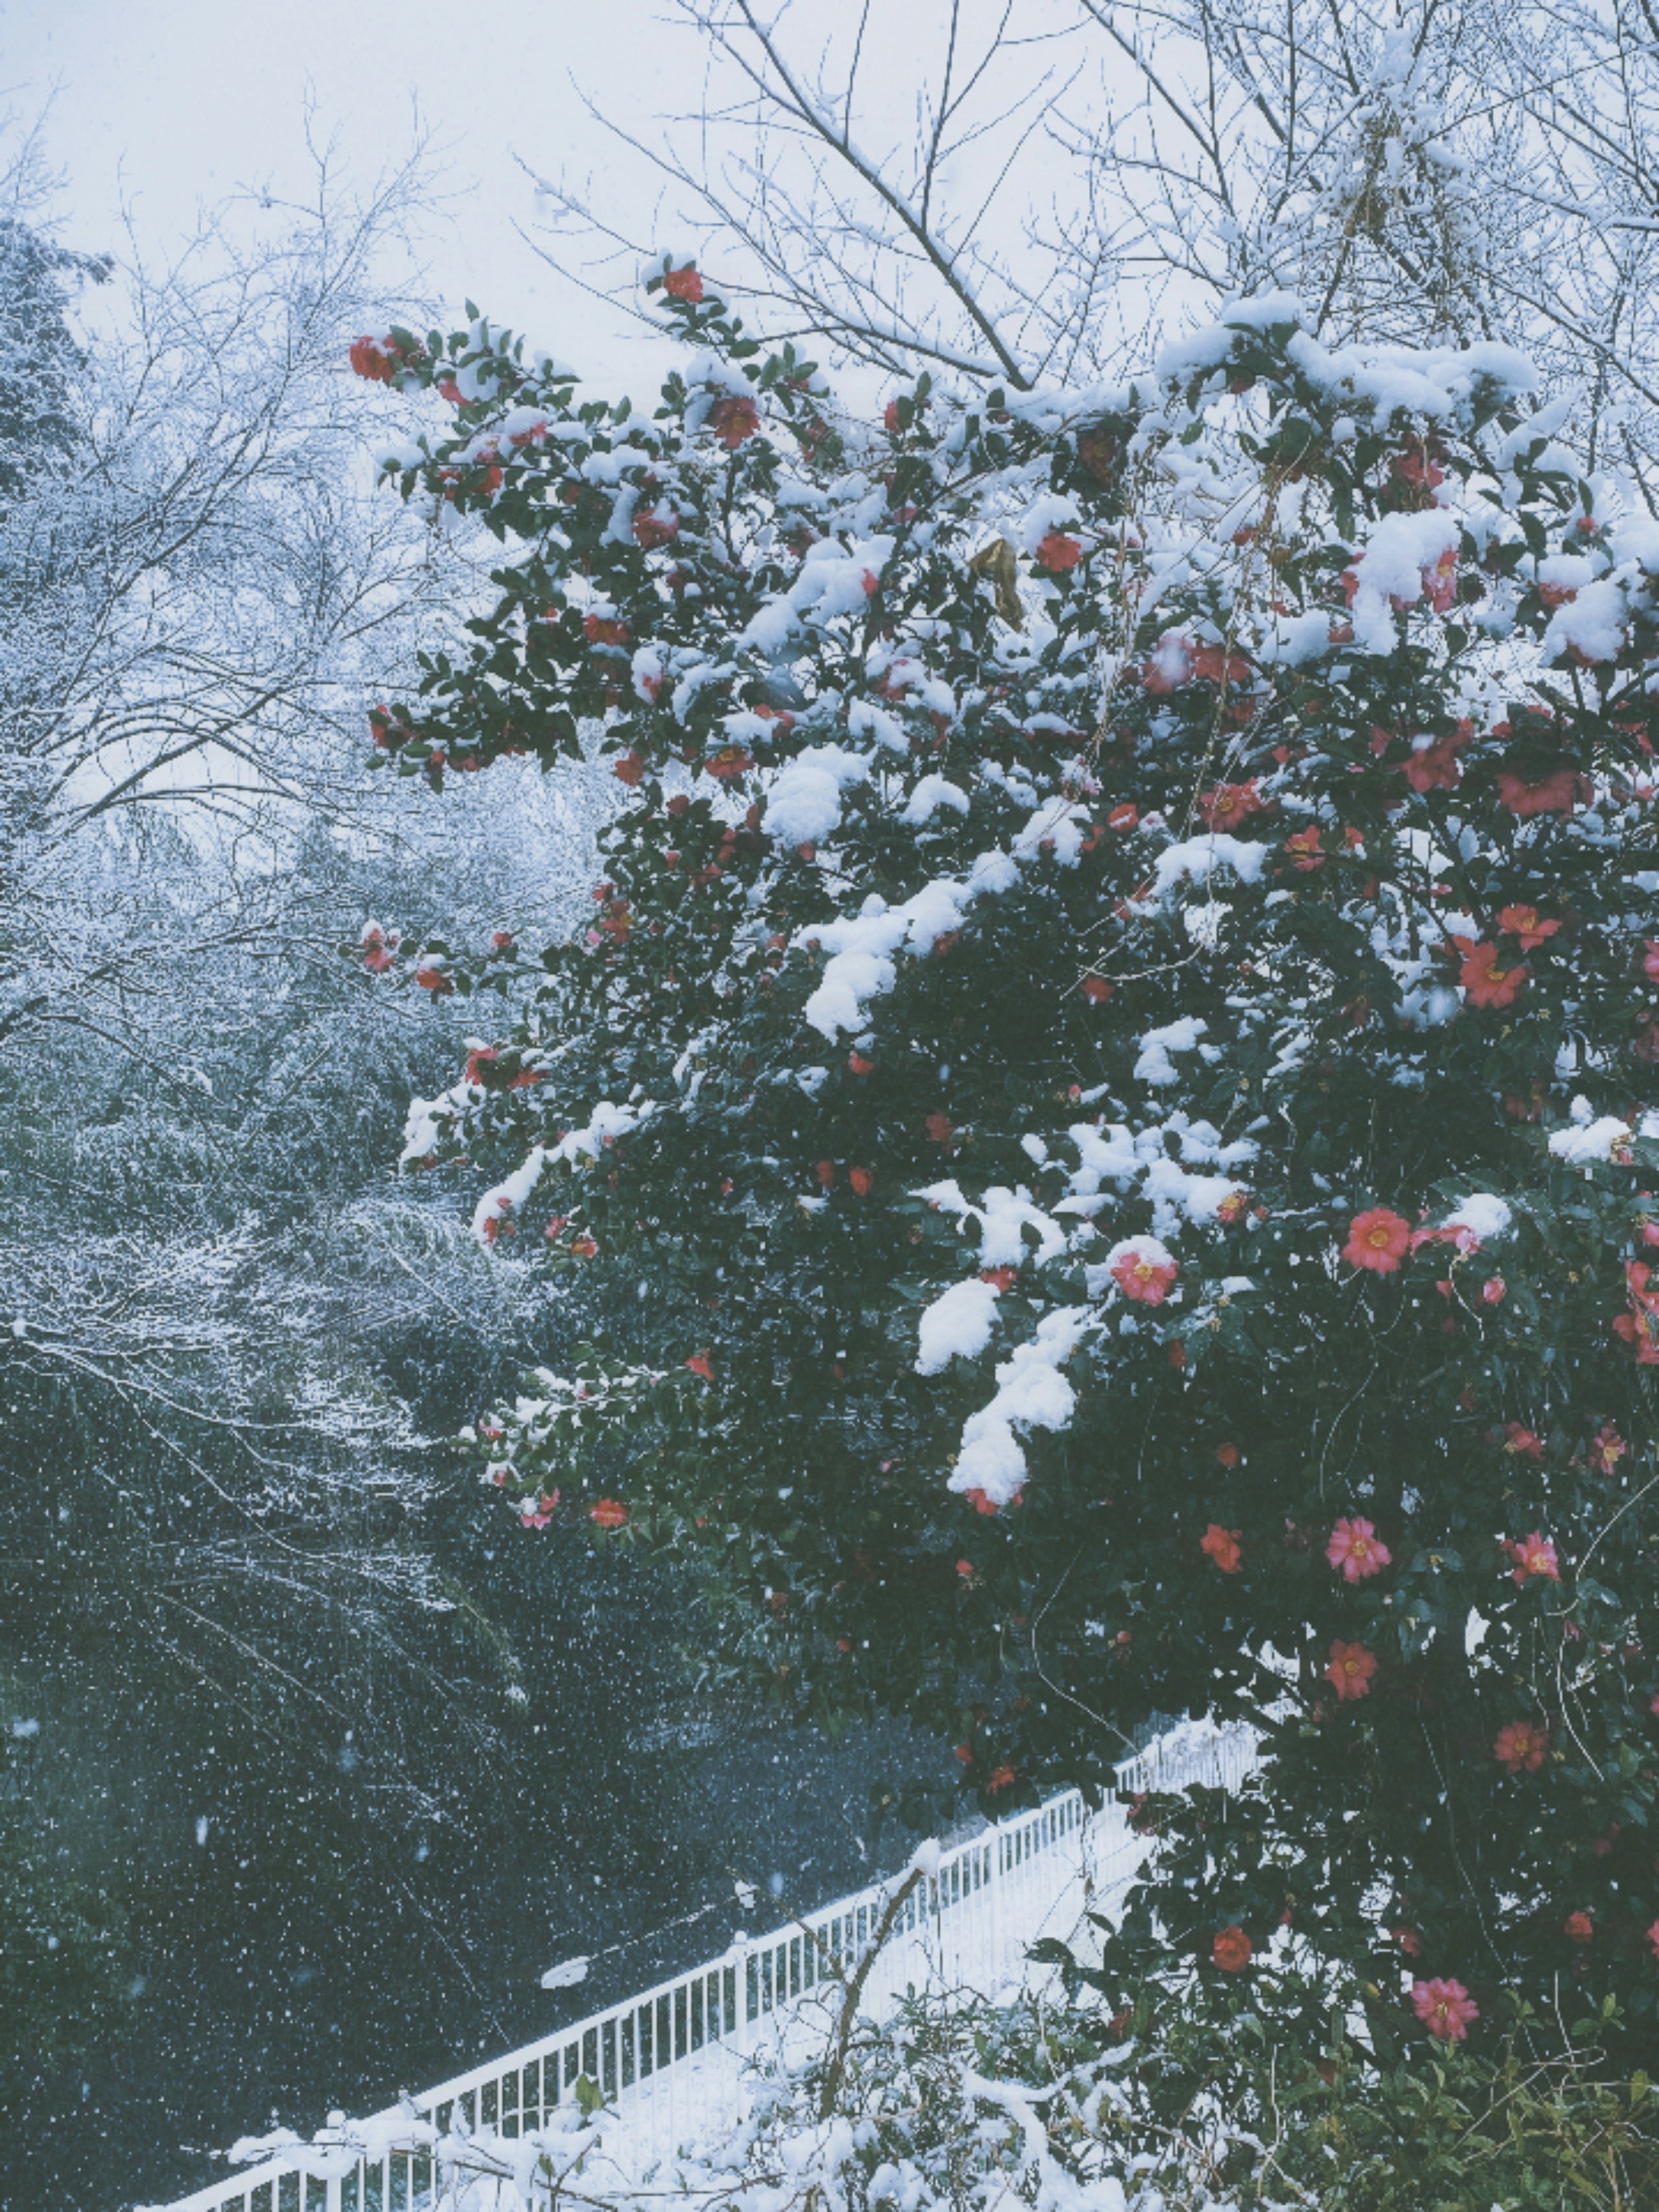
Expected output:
(954, 2102)
(1116, 1030)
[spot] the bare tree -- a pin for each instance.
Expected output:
(1055, 182)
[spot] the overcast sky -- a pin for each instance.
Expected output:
(167, 106)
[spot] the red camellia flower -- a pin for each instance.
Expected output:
(1486, 982)
(1581, 1928)
(1445, 2007)
(938, 1128)
(1232, 1950)
(1522, 921)
(1559, 792)
(732, 420)
(1058, 552)
(1144, 1272)
(1303, 848)
(1228, 804)
(627, 768)
(858, 1065)
(656, 527)
(1001, 1777)
(1520, 1442)
(1123, 817)
(861, 1180)
(1435, 766)
(608, 1513)
(603, 629)
(371, 359)
(729, 762)
(434, 980)
(683, 284)
(1494, 1291)
(1520, 1746)
(1222, 1546)
(380, 359)
(1095, 989)
(1357, 1550)
(1533, 1555)
(1350, 1671)
(981, 1501)
(1227, 1454)
(698, 1363)
(1377, 1239)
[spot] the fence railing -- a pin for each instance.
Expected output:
(672, 2060)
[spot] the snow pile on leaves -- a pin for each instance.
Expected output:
(944, 2106)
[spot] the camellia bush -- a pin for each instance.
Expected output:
(1112, 1058)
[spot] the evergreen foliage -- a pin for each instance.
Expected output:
(1118, 1028)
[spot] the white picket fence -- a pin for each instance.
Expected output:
(672, 2061)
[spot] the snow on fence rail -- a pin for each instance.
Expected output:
(672, 2060)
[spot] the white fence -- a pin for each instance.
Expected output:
(672, 2062)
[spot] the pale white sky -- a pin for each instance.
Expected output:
(170, 105)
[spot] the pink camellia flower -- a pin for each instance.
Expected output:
(1650, 958)
(732, 420)
(1440, 583)
(1521, 1745)
(608, 1513)
(1606, 1448)
(1445, 2009)
(1357, 1550)
(1534, 1555)
(1303, 848)
(378, 948)
(1350, 1671)
(1377, 1239)
(1493, 1290)
(1143, 1270)
(1581, 1928)
(683, 284)
(1653, 1938)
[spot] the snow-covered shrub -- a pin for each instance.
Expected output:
(1119, 1032)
